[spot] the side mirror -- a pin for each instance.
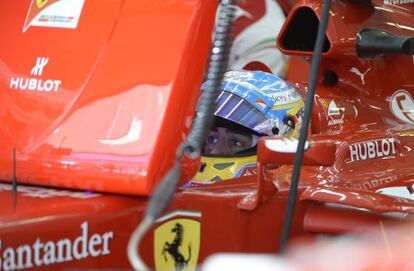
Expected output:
(277, 151)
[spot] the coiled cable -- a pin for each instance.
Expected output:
(192, 146)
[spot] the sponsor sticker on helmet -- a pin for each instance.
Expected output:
(247, 170)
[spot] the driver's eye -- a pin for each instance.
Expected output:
(235, 143)
(211, 140)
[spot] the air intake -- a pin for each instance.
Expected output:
(300, 32)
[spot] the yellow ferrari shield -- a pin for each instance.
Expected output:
(177, 245)
(41, 3)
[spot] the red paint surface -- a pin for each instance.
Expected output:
(111, 79)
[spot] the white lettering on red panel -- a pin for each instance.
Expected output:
(372, 149)
(45, 193)
(46, 252)
(35, 83)
(398, 2)
(335, 114)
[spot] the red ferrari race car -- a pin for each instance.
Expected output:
(95, 99)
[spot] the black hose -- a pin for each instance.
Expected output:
(290, 209)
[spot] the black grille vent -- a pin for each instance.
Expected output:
(300, 34)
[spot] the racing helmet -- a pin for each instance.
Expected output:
(251, 104)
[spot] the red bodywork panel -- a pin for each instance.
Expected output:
(124, 81)
(47, 216)
(127, 77)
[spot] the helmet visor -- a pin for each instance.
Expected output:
(232, 107)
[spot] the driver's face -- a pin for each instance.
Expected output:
(222, 140)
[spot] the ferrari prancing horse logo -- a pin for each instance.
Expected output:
(177, 245)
